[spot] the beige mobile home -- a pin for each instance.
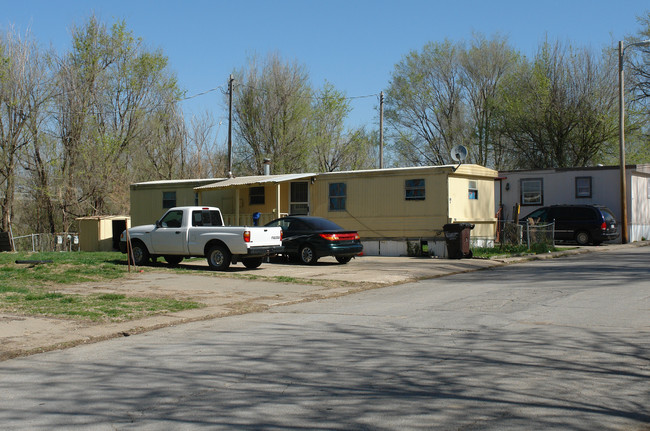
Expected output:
(397, 210)
(150, 200)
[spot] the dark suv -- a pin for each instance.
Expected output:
(581, 223)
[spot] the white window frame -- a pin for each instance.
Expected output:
(523, 184)
(472, 190)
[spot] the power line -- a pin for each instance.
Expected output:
(203, 93)
(312, 97)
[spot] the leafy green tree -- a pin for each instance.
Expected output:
(560, 109)
(110, 85)
(485, 65)
(334, 147)
(637, 110)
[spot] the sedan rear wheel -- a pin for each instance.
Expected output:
(343, 259)
(308, 255)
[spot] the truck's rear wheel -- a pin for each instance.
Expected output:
(219, 257)
(252, 263)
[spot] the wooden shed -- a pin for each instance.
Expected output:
(101, 233)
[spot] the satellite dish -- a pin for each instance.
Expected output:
(459, 153)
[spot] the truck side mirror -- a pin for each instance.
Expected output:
(158, 224)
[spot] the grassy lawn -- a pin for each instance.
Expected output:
(514, 250)
(31, 289)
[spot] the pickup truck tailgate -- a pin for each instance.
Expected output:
(264, 236)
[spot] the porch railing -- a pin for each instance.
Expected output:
(246, 219)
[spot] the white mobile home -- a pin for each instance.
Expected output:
(600, 185)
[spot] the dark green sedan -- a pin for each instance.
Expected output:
(306, 239)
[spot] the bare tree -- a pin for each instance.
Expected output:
(206, 156)
(161, 152)
(424, 104)
(271, 109)
(20, 77)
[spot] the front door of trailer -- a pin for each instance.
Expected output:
(299, 204)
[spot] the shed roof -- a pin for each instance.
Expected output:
(170, 183)
(251, 180)
(104, 217)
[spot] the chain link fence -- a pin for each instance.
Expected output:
(528, 234)
(41, 242)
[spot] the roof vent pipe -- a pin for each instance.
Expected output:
(267, 166)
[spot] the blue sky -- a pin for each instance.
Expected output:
(353, 44)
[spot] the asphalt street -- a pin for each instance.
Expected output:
(554, 344)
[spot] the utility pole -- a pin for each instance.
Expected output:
(621, 140)
(381, 130)
(230, 81)
(621, 133)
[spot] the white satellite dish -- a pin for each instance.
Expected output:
(459, 153)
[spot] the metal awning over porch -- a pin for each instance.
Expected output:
(236, 182)
(239, 183)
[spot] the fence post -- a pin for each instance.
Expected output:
(553, 233)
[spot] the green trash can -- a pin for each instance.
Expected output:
(457, 239)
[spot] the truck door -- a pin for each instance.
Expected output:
(169, 237)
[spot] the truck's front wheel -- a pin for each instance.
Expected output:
(140, 253)
(219, 257)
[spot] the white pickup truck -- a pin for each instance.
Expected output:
(199, 231)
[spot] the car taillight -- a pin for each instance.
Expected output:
(603, 226)
(340, 236)
(281, 235)
(247, 236)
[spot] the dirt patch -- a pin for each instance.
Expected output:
(221, 295)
